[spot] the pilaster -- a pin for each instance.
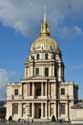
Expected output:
(42, 89)
(46, 89)
(41, 110)
(33, 89)
(46, 110)
(20, 110)
(33, 110)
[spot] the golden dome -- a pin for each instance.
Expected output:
(45, 42)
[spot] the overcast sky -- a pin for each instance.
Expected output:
(20, 22)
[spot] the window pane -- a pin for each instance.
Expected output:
(15, 108)
(37, 56)
(62, 108)
(30, 89)
(16, 92)
(38, 89)
(62, 91)
(37, 71)
(46, 71)
(46, 56)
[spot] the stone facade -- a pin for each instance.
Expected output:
(42, 92)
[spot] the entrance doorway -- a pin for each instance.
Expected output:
(37, 110)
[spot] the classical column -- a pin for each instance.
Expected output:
(58, 109)
(41, 110)
(68, 112)
(48, 109)
(27, 110)
(42, 89)
(59, 72)
(53, 70)
(33, 89)
(33, 110)
(55, 109)
(46, 89)
(45, 110)
(20, 110)
(49, 89)
(25, 74)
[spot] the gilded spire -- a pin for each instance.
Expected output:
(44, 18)
(44, 27)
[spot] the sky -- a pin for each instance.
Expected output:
(20, 22)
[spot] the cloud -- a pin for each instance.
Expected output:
(24, 15)
(76, 67)
(69, 33)
(5, 77)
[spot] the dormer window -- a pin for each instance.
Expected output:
(46, 56)
(37, 56)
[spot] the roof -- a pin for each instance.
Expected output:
(2, 103)
(79, 105)
(45, 42)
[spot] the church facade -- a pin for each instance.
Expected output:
(43, 92)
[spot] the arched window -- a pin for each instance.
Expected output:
(62, 91)
(37, 56)
(46, 56)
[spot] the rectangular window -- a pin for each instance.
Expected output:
(62, 91)
(43, 109)
(37, 71)
(43, 88)
(46, 71)
(37, 56)
(46, 56)
(55, 73)
(62, 108)
(15, 108)
(16, 92)
(37, 89)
